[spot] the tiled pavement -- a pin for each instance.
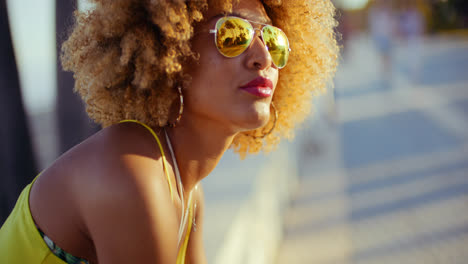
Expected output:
(384, 175)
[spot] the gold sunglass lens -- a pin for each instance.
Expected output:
(277, 44)
(233, 36)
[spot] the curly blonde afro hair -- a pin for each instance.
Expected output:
(129, 55)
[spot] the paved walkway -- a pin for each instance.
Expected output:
(384, 179)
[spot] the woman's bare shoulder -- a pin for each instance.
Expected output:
(122, 192)
(110, 190)
(111, 149)
(114, 157)
(120, 159)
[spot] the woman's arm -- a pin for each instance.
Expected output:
(196, 250)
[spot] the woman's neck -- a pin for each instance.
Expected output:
(198, 146)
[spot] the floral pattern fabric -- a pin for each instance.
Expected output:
(60, 253)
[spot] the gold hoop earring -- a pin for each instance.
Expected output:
(181, 107)
(274, 122)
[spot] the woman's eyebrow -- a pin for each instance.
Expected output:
(261, 20)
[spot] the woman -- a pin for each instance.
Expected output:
(189, 80)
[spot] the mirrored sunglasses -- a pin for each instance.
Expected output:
(233, 35)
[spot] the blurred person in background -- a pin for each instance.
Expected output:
(411, 28)
(174, 84)
(382, 27)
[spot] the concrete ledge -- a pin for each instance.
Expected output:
(257, 229)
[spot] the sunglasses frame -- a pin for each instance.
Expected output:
(215, 31)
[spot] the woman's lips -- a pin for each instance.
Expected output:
(260, 86)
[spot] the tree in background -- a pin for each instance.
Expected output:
(17, 165)
(73, 122)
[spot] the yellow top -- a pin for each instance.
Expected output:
(21, 242)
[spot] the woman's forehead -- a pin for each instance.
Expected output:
(249, 9)
(251, 16)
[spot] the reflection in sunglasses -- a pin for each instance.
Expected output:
(234, 35)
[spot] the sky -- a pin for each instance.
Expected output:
(32, 27)
(33, 32)
(352, 4)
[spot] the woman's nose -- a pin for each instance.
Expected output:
(258, 56)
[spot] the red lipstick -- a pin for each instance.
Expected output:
(260, 86)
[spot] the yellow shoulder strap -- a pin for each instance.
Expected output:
(183, 248)
(160, 148)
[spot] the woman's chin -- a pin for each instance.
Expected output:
(252, 126)
(255, 119)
